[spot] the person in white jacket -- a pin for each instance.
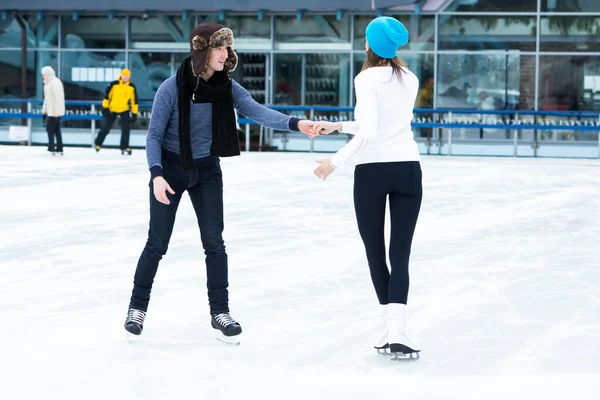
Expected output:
(53, 109)
(387, 163)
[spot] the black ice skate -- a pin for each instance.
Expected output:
(229, 329)
(126, 151)
(134, 323)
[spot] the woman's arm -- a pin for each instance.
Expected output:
(365, 125)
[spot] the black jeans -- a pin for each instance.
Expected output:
(109, 119)
(373, 185)
(53, 129)
(205, 188)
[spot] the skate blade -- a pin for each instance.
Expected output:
(405, 356)
(384, 351)
(231, 340)
(131, 338)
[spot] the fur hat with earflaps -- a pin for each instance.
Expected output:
(211, 34)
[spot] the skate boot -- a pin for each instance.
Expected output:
(382, 344)
(134, 323)
(126, 151)
(229, 329)
(400, 346)
(98, 148)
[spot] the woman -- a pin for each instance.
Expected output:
(193, 124)
(53, 109)
(387, 166)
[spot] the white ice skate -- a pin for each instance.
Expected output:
(382, 344)
(400, 346)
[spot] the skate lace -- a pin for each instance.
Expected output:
(224, 319)
(137, 316)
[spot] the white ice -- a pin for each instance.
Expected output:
(505, 283)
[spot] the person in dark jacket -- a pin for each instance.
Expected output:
(120, 100)
(193, 124)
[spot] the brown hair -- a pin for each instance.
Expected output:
(373, 60)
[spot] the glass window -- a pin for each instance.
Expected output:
(492, 5)
(421, 29)
(322, 32)
(487, 33)
(251, 73)
(571, 5)
(155, 32)
(570, 33)
(569, 83)
(508, 79)
(327, 79)
(10, 77)
(150, 69)
(249, 32)
(312, 79)
(85, 74)
(46, 31)
(287, 79)
(10, 33)
(93, 32)
(42, 33)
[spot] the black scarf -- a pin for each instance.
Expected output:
(218, 91)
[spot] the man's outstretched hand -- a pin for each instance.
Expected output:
(306, 127)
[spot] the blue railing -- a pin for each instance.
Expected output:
(441, 122)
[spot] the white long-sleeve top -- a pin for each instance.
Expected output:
(383, 114)
(54, 97)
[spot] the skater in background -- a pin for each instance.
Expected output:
(387, 167)
(486, 102)
(53, 109)
(193, 124)
(120, 100)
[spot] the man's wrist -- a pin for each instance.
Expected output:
(293, 124)
(155, 171)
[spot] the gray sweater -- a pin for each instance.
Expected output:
(164, 123)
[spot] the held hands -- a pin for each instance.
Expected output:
(326, 127)
(306, 127)
(316, 128)
(160, 188)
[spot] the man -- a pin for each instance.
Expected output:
(120, 98)
(53, 108)
(193, 124)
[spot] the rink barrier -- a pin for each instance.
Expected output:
(445, 120)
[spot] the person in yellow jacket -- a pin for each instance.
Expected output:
(120, 99)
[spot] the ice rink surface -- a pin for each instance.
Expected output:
(505, 283)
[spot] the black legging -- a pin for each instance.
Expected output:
(53, 130)
(109, 119)
(373, 183)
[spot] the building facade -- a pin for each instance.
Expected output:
(517, 54)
